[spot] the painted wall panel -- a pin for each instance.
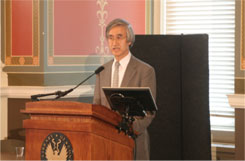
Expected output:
(64, 32)
(22, 28)
(78, 26)
(133, 11)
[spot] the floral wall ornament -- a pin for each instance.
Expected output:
(8, 60)
(102, 15)
(35, 60)
(21, 60)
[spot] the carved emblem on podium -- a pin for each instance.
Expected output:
(56, 146)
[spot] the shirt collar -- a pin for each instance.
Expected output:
(124, 61)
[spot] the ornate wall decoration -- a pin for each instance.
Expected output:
(21, 33)
(72, 37)
(75, 29)
(21, 60)
(102, 15)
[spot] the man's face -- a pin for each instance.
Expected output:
(117, 40)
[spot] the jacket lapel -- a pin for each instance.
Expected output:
(129, 73)
(107, 79)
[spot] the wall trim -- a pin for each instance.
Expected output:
(26, 91)
(237, 100)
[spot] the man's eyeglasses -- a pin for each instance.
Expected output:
(118, 37)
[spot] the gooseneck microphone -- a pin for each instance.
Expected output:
(98, 70)
(60, 94)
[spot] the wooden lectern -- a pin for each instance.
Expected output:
(90, 130)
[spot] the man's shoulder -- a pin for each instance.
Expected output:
(108, 64)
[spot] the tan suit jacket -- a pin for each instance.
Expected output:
(137, 74)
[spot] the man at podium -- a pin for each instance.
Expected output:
(125, 70)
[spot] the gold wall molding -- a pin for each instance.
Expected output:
(242, 45)
(11, 60)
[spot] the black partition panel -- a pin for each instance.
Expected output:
(181, 129)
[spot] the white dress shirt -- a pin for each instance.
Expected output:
(122, 68)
